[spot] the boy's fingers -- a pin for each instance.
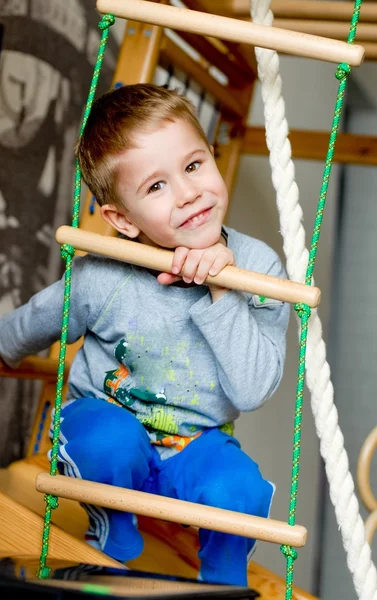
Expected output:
(179, 258)
(203, 270)
(196, 264)
(167, 278)
(212, 265)
(219, 263)
(190, 266)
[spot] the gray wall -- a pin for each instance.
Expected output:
(353, 334)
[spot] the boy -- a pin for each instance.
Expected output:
(167, 363)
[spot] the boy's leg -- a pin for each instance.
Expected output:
(105, 443)
(213, 470)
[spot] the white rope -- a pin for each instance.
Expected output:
(318, 380)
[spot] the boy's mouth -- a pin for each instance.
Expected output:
(197, 219)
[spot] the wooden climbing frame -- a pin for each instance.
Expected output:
(234, 30)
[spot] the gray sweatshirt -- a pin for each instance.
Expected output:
(178, 361)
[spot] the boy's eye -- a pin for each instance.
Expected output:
(194, 166)
(156, 187)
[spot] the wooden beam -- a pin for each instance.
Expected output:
(218, 56)
(21, 536)
(235, 30)
(244, 55)
(160, 259)
(170, 509)
(330, 29)
(297, 9)
(171, 54)
(370, 51)
(227, 152)
(312, 145)
(169, 548)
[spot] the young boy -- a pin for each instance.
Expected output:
(167, 363)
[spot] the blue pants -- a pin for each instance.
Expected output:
(105, 443)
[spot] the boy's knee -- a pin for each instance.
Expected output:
(107, 434)
(242, 490)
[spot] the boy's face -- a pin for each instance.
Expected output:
(171, 189)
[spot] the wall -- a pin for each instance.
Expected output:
(309, 88)
(353, 332)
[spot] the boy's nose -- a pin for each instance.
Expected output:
(186, 193)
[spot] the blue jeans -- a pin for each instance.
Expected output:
(105, 443)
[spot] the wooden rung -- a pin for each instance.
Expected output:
(303, 9)
(225, 28)
(33, 367)
(329, 29)
(350, 148)
(169, 509)
(161, 260)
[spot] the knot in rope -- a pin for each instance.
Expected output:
(52, 501)
(303, 310)
(44, 572)
(342, 71)
(106, 21)
(66, 251)
(289, 552)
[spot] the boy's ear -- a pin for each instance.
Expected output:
(119, 220)
(212, 148)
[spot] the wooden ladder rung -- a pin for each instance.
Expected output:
(169, 509)
(161, 260)
(235, 30)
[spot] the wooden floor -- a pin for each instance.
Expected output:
(170, 549)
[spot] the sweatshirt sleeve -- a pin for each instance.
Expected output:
(37, 324)
(248, 339)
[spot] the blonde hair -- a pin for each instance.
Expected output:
(114, 119)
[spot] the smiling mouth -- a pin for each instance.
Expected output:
(197, 219)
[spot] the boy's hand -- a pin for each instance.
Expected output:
(196, 264)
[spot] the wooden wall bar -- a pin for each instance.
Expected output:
(327, 18)
(332, 29)
(170, 53)
(312, 145)
(244, 55)
(221, 59)
(296, 9)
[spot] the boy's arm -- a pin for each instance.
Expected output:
(37, 324)
(248, 339)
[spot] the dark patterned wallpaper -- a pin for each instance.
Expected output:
(48, 49)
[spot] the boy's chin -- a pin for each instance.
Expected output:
(196, 240)
(200, 240)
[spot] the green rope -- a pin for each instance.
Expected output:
(303, 311)
(68, 253)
